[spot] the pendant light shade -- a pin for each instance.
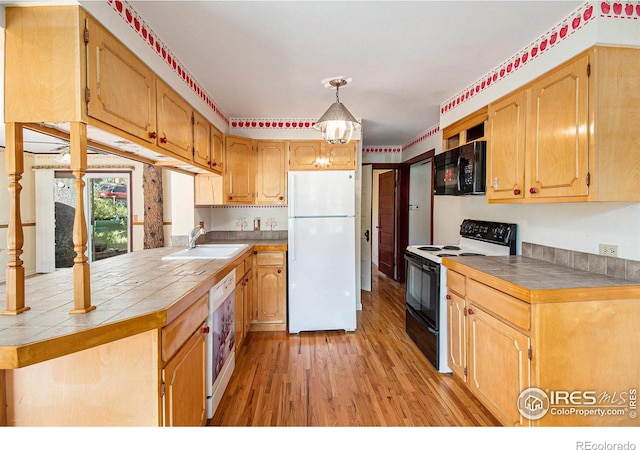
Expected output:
(337, 124)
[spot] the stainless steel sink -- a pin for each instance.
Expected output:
(209, 251)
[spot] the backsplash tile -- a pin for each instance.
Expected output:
(627, 269)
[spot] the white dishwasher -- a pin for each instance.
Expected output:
(220, 340)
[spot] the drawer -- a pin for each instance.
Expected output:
(240, 271)
(456, 282)
(270, 259)
(177, 332)
(500, 304)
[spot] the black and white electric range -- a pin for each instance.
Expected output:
(426, 282)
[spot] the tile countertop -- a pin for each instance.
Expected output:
(537, 281)
(132, 293)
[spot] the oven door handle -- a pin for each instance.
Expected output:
(429, 268)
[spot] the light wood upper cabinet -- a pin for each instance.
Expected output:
(208, 189)
(271, 172)
(175, 117)
(202, 142)
(505, 149)
(565, 136)
(319, 155)
(557, 139)
(121, 89)
(239, 170)
(217, 150)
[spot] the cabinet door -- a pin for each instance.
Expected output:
(305, 155)
(499, 366)
(271, 172)
(207, 190)
(122, 89)
(557, 133)
(184, 400)
(505, 148)
(239, 161)
(175, 127)
(340, 156)
(240, 313)
(217, 150)
(271, 295)
(202, 148)
(456, 335)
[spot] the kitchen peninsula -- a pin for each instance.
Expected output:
(109, 366)
(517, 322)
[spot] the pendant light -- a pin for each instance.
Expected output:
(337, 124)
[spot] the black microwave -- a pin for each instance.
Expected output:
(461, 170)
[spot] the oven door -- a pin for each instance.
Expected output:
(423, 288)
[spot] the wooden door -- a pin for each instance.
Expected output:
(217, 150)
(557, 133)
(122, 89)
(340, 156)
(456, 335)
(271, 172)
(497, 348)
(202, 148)
(175, 128)
(184, 400)
(239, 162)
(305, 155)
(505, 150)
(386, 223)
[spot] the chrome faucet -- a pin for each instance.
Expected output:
(195, 234)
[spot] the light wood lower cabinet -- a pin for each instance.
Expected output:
(575, 347)
(184, 399)
(243, 296)
(270, 305)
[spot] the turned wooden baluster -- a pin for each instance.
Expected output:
(81, 272)
(14, 161)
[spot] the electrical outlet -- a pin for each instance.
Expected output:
(609, 250)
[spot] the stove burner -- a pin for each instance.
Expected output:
(429, 249)
(451, 247)
(446, 254)
(471, 254)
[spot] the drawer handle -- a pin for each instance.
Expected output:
(448, 297)
(206, 330)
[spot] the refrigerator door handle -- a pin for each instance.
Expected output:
(292, 241)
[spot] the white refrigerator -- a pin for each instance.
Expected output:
(321, 251)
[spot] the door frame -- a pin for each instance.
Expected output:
(402, 206)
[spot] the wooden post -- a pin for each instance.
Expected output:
(3, 398)
(14, 161)
(81, 272)
(153, 207)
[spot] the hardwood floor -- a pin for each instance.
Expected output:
(375, 376)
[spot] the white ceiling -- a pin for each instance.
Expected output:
(266, 59)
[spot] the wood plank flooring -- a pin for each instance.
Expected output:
(375, 376)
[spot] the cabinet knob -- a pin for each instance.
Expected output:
(281, 198)
(471, 312)
(206, 330)
(153, 134)
(516, 192)
(448, 297)
(533, 191)
(163, 140)
(230, 197)
(213, 164)
(279, 270)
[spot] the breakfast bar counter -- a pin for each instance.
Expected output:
(133, 293)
